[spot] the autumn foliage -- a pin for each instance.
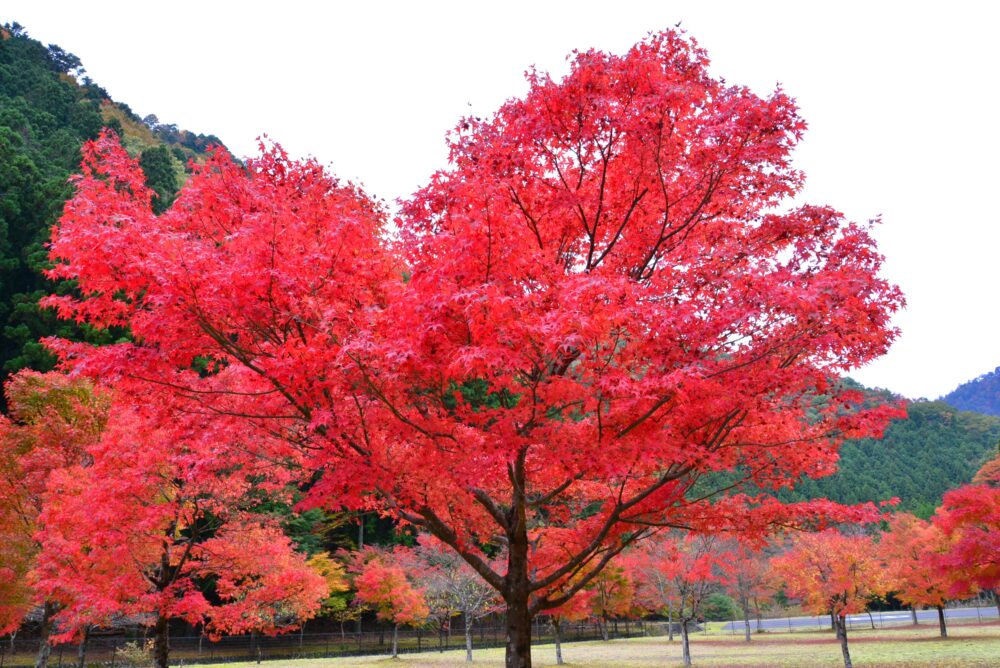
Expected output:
(970, 517)
(596, 304)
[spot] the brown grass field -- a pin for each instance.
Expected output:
(917, 647)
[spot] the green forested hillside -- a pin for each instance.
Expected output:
(934, 449)
(48, 108)
(980, 394)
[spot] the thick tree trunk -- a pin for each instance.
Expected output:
(603, 624)
(395, 641)
(557, 627)
(996, 600)
(941, 624)
(842, 634)
(833, 624)
(468, 637)
(913, 613)
(161, 642)
(81, 650)
(44, 648)
(518, 654)
(685, 645)
(517, 591)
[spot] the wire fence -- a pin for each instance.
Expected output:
(867, 620)
(119, 651)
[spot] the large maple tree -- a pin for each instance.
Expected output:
(604, 301)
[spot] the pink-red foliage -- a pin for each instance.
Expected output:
(600, 306)
(970, 516)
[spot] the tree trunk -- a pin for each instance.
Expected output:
(670, 623)
(871, 619)
(842, 634)
(996, 600)
(603, 624)
(941, 624)
(518, 653)
(81, 650)
(913, 613)
(556, 626)
(44, 648)
(745, 604)
(833, 624)
(685, 645)
(395, 641)
(517, 590)
(468, 637)
(161, 642)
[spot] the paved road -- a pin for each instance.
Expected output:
(862, 620)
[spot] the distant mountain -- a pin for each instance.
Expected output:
(981, 394)
(48, 108)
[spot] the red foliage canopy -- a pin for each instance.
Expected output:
(970, 515)
(601, 306)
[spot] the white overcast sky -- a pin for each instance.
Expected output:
(901, 100)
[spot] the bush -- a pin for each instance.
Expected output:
(720, 608)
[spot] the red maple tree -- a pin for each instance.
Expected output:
(833, 574)
(51, 421)
(677, 573)
(597, 304)
(970, 517)
(384, 586)
(160, 507)
(912, 550)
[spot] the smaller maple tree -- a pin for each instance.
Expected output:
(158, 508)
(970, 516)
(912, 550)
(832, 574)
(52, 419)
(385, 587)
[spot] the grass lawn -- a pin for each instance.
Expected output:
(919, 647)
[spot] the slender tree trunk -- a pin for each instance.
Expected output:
(468, 636)
(685, 644)
(842, 634)
(81, 650)
(913, 613)
(745, 604)
(44, 648)
(557, 627)
(395, 641)
(996, 600)
(871, 619)
(833, 624)
(161, 642)
(670, 623)
(941, 624)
